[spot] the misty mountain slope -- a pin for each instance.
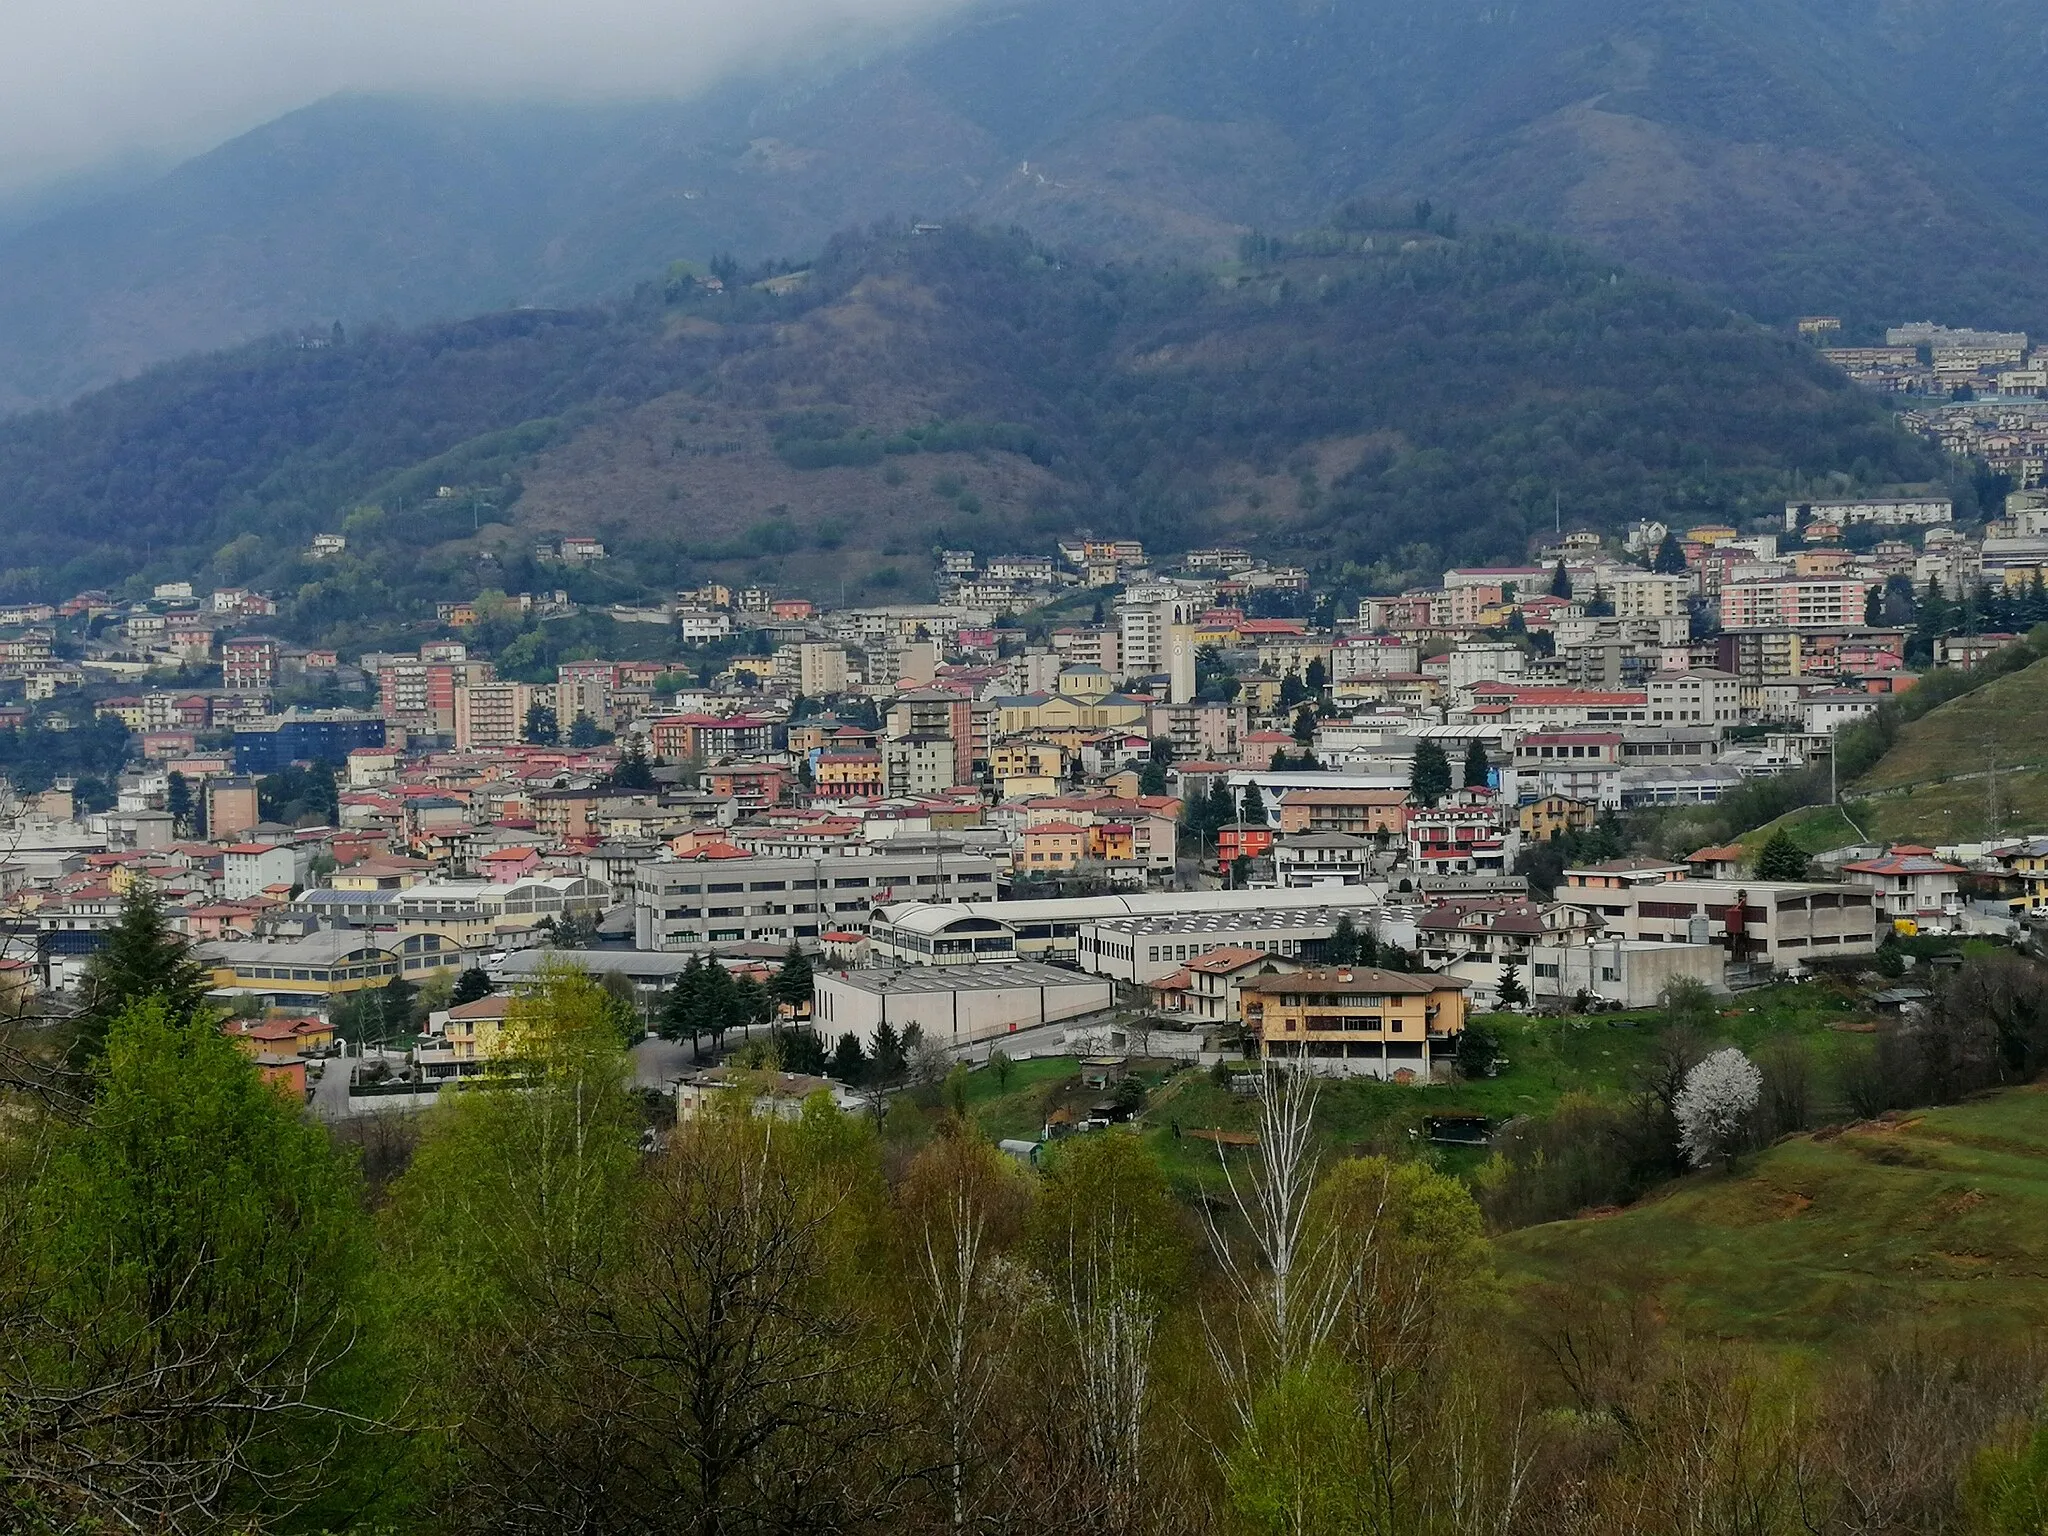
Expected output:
(1373, 397)
(1790, 155)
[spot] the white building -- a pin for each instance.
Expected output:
(953, 1006)
(1305, 860)
(1702, 696)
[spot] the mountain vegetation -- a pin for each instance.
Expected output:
(527, 1313)
(1794, 156)
(1385, 395)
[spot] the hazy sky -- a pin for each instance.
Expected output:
(84, 81)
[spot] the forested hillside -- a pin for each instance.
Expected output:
(1390, 393)
(1791, 155)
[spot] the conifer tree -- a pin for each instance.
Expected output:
(1476, 766)
(1430, 779)
(141, 958)
(470, 986)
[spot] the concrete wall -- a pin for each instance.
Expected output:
(1630, 975)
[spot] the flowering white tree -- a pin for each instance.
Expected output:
(1714, 1106)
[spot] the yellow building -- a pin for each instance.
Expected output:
(1026, 768)
(1350, 1021)
(1051, 848)
(326, 965)
(463, 1038)
(2029, 864)
(1555, 815)
(1059, 711)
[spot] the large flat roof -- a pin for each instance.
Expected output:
(1226, 922)
(897, 981)
(1140, 904)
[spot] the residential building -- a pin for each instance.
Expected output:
(1302, 860)
(491, 715)
(1912, 887)
(1355, 1022)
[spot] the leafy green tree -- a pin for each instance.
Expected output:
(197, 1340)
(141, 957)
(542, 728)
(1152, 779)
(510, 1227)
(1429, 780)
(473, 984)
(1002, 1068)
(1478, 1050)
(1476, 765)
(1781, 859)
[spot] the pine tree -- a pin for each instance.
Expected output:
(1253, 807)
(1343, 947)
(849, 1061)
(1782, 859)
(793, 983)
(1561, 581)
(178, 796)
(1512, 993)
(1304, 726)
(542, 728)
(1430, 779)
(471, 985)
(1291, 690)
(633, 772)
(890, 1060)
(141, 958)
(1670, 559)
(1476, 766)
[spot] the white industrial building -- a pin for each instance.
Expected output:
(979, 932)
(953, 1006)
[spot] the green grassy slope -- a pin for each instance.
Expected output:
(1937, 1217)
(1967, 769)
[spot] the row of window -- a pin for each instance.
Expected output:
(851, 883)
(688, 914)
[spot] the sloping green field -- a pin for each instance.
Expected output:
(1938, 1217)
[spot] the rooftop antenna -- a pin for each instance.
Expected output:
(1557, 511)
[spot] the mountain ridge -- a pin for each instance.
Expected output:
(1375, 401)
(1777, 152)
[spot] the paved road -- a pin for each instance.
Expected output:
(330, 1090)
(659, 1063)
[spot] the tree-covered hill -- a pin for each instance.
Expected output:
(1391, 393)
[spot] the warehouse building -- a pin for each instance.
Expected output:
(953, 1005)
(971, 932)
